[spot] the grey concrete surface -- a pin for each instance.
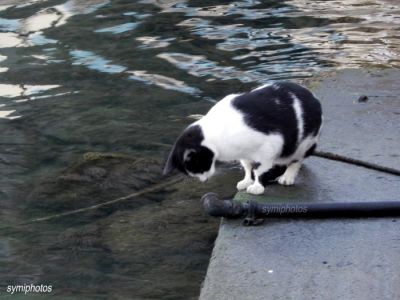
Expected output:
(325, 259)
(369, 131)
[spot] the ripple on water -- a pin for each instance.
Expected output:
(330, 31)
(163, 81)
(152, 42)
(95, 62)
(3, 58)
(119, 28)
(21, 93)
(200, 66)
(23, 90)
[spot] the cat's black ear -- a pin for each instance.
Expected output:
(169, 165)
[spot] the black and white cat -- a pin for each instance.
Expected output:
(274, 125)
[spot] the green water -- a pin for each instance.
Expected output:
(124, 77)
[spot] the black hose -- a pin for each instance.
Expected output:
(253, 210)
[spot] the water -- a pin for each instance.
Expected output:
(121, 79)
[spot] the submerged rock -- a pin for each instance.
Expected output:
(96, 178)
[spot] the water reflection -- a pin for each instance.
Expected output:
(22, 93)
(119, 28)
(200, 66)
(40, 21)
(29, 31)
(257, 26)
(23, 90)
(163, 81)
(7, 114)
(77, 7)
(137, 15)
(149, 42)
(9, 25)
(95, 62)
(17, 3)
(3, 58)
(9, 39)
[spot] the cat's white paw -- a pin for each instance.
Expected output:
(244, 184)
(286, 179)
(255, 189)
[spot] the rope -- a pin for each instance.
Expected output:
(337, 157)
(149, 189)
(322, 154)
(357, 162)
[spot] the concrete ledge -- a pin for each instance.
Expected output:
(325, 259)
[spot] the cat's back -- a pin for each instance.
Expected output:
(281, 105)
(276, 98)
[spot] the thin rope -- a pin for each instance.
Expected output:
(357, 162)
(149, 189)
(341, 158)
(322, 154)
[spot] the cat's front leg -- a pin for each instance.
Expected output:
(257, 188)
(247, 181)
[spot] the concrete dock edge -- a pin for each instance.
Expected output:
(325, 259)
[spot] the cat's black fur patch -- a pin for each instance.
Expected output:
(199, 161)
(272, 174)
(199, 158)
(312, 110)
(270, 110)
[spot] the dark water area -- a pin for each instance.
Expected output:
(92, 95)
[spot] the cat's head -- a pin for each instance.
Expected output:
(190, 157)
